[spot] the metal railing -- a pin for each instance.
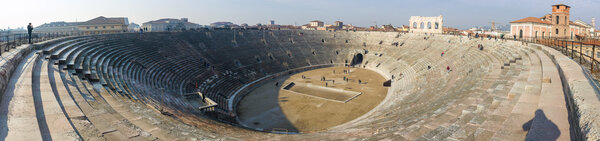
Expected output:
(583, 52)
(10, 41)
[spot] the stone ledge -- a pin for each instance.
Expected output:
(11, 60)
(584, 95)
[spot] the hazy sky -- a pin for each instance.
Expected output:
(457, 13)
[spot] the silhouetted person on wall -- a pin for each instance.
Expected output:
(29, 30)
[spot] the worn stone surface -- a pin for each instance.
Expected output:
(129, 86)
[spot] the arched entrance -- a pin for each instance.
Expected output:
(357, 59)
(520, 33)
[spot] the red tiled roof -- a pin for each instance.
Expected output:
(538, 20)
(531, 19)
(447, 29)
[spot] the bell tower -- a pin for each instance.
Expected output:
(593, 23)
(560, 21)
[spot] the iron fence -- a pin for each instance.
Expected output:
(582, 51)
(13, 40)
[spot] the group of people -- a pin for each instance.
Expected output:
(346, 71)
(488, 36)
(345, 78)
(429, 67)
(326, 83)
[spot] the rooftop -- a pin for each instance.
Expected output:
(562, 5)
(531, 19)
(104, 20)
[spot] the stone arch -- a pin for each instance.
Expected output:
(420, 24)
(428, 25)
(357, 59)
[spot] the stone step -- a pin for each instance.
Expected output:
(18, 114)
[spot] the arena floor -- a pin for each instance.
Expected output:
(309, 105)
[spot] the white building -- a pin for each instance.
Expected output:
(317, 23)
(314, 25)
(338, 24)
(419, 24)
(57, 28)
(104, 25)
(170, 25)
(133, 27)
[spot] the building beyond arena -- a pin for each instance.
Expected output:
(554, 25)
(419, 24)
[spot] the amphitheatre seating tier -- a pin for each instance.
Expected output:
(132, 86)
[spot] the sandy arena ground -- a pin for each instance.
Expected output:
(308, 109)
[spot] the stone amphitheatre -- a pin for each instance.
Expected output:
(293, 85)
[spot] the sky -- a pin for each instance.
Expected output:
(461, 14)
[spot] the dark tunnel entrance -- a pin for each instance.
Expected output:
(358, 59)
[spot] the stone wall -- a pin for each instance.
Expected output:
(10, 60)
(584, 93)
(419, 24)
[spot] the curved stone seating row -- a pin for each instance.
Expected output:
(100, 99)
(107, 75)
(436, 54)
(57, 115)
